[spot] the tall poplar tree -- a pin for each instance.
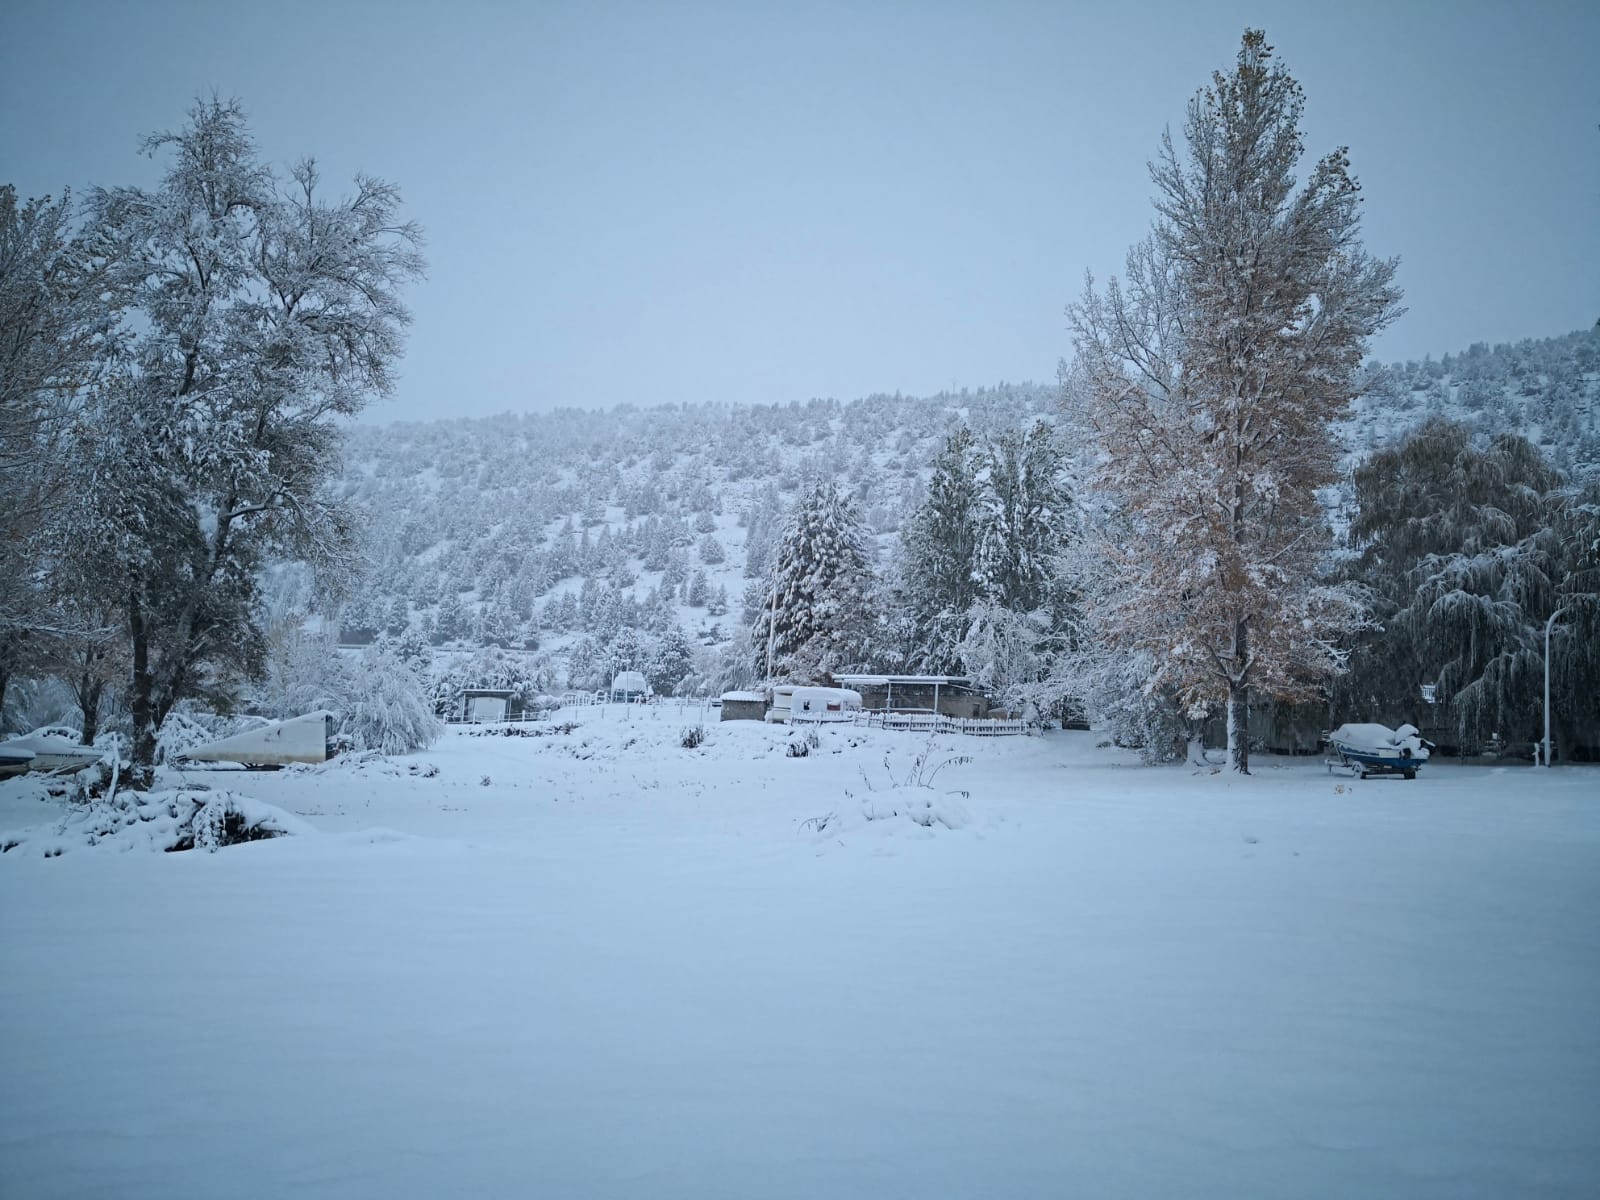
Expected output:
(1212, 379)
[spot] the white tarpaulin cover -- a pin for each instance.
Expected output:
(1380, 740)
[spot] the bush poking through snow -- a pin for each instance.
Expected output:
(911, 796)
(921, 806)
(802, 744)
(693, 737)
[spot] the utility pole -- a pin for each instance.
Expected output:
(772, 630)
(1548, 626)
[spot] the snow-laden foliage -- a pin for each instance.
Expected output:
(939, 554)
(1211, 380)
(389, 710)
(1468, 551)
(55, 321)
(258, 315)
(165, 821)
(985, 540)
(816, 614)
(305, 673)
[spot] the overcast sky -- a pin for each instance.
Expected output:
(757, 202)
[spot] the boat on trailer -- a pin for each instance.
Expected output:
(1377, 750)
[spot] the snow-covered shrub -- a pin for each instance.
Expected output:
(186, 819)
(390, 710)
(693, 737)
(919, 805)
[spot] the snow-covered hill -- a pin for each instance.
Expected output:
(530, 530)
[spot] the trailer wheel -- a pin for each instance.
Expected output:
(1411, 774)
(1363, 774)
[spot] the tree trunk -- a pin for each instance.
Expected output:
(1239, 727)
(1239, 702)
(89, 691)
(142, 770)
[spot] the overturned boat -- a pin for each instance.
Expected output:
(1378, 750)
(307, 739)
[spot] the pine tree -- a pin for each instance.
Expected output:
(1025, 520)
(699, 590)
(939, 556)
(818, 600)
(670, 661)
(1211, 382)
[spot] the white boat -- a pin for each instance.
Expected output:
(1378, 750)
(14, 762)
(54, 748)
(306, 739)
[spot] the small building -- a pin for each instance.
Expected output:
(629, 687)
(481, 705)
(744, 706)
(951, 695)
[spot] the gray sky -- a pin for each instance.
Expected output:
(664, 202)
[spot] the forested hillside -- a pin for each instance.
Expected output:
(531, 530)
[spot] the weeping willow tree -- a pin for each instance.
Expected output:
(1467, 552)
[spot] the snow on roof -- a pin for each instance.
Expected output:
(882, 680)
(629, 681)
(751, 697)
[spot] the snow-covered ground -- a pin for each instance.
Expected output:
(597, 964)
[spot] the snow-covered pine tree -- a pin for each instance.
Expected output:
(698, 593)
(1212, 381)
(261, 316)
(1025, 520)
(818, 600)
(939, 553)
(711, 551)
(669, 662)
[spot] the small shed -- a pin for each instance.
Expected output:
(629, 687)
(479, 705)
(744, 706)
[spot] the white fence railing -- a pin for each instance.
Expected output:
(927, 722)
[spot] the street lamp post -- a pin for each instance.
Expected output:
(1548, 626)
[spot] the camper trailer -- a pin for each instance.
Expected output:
(797, 705)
